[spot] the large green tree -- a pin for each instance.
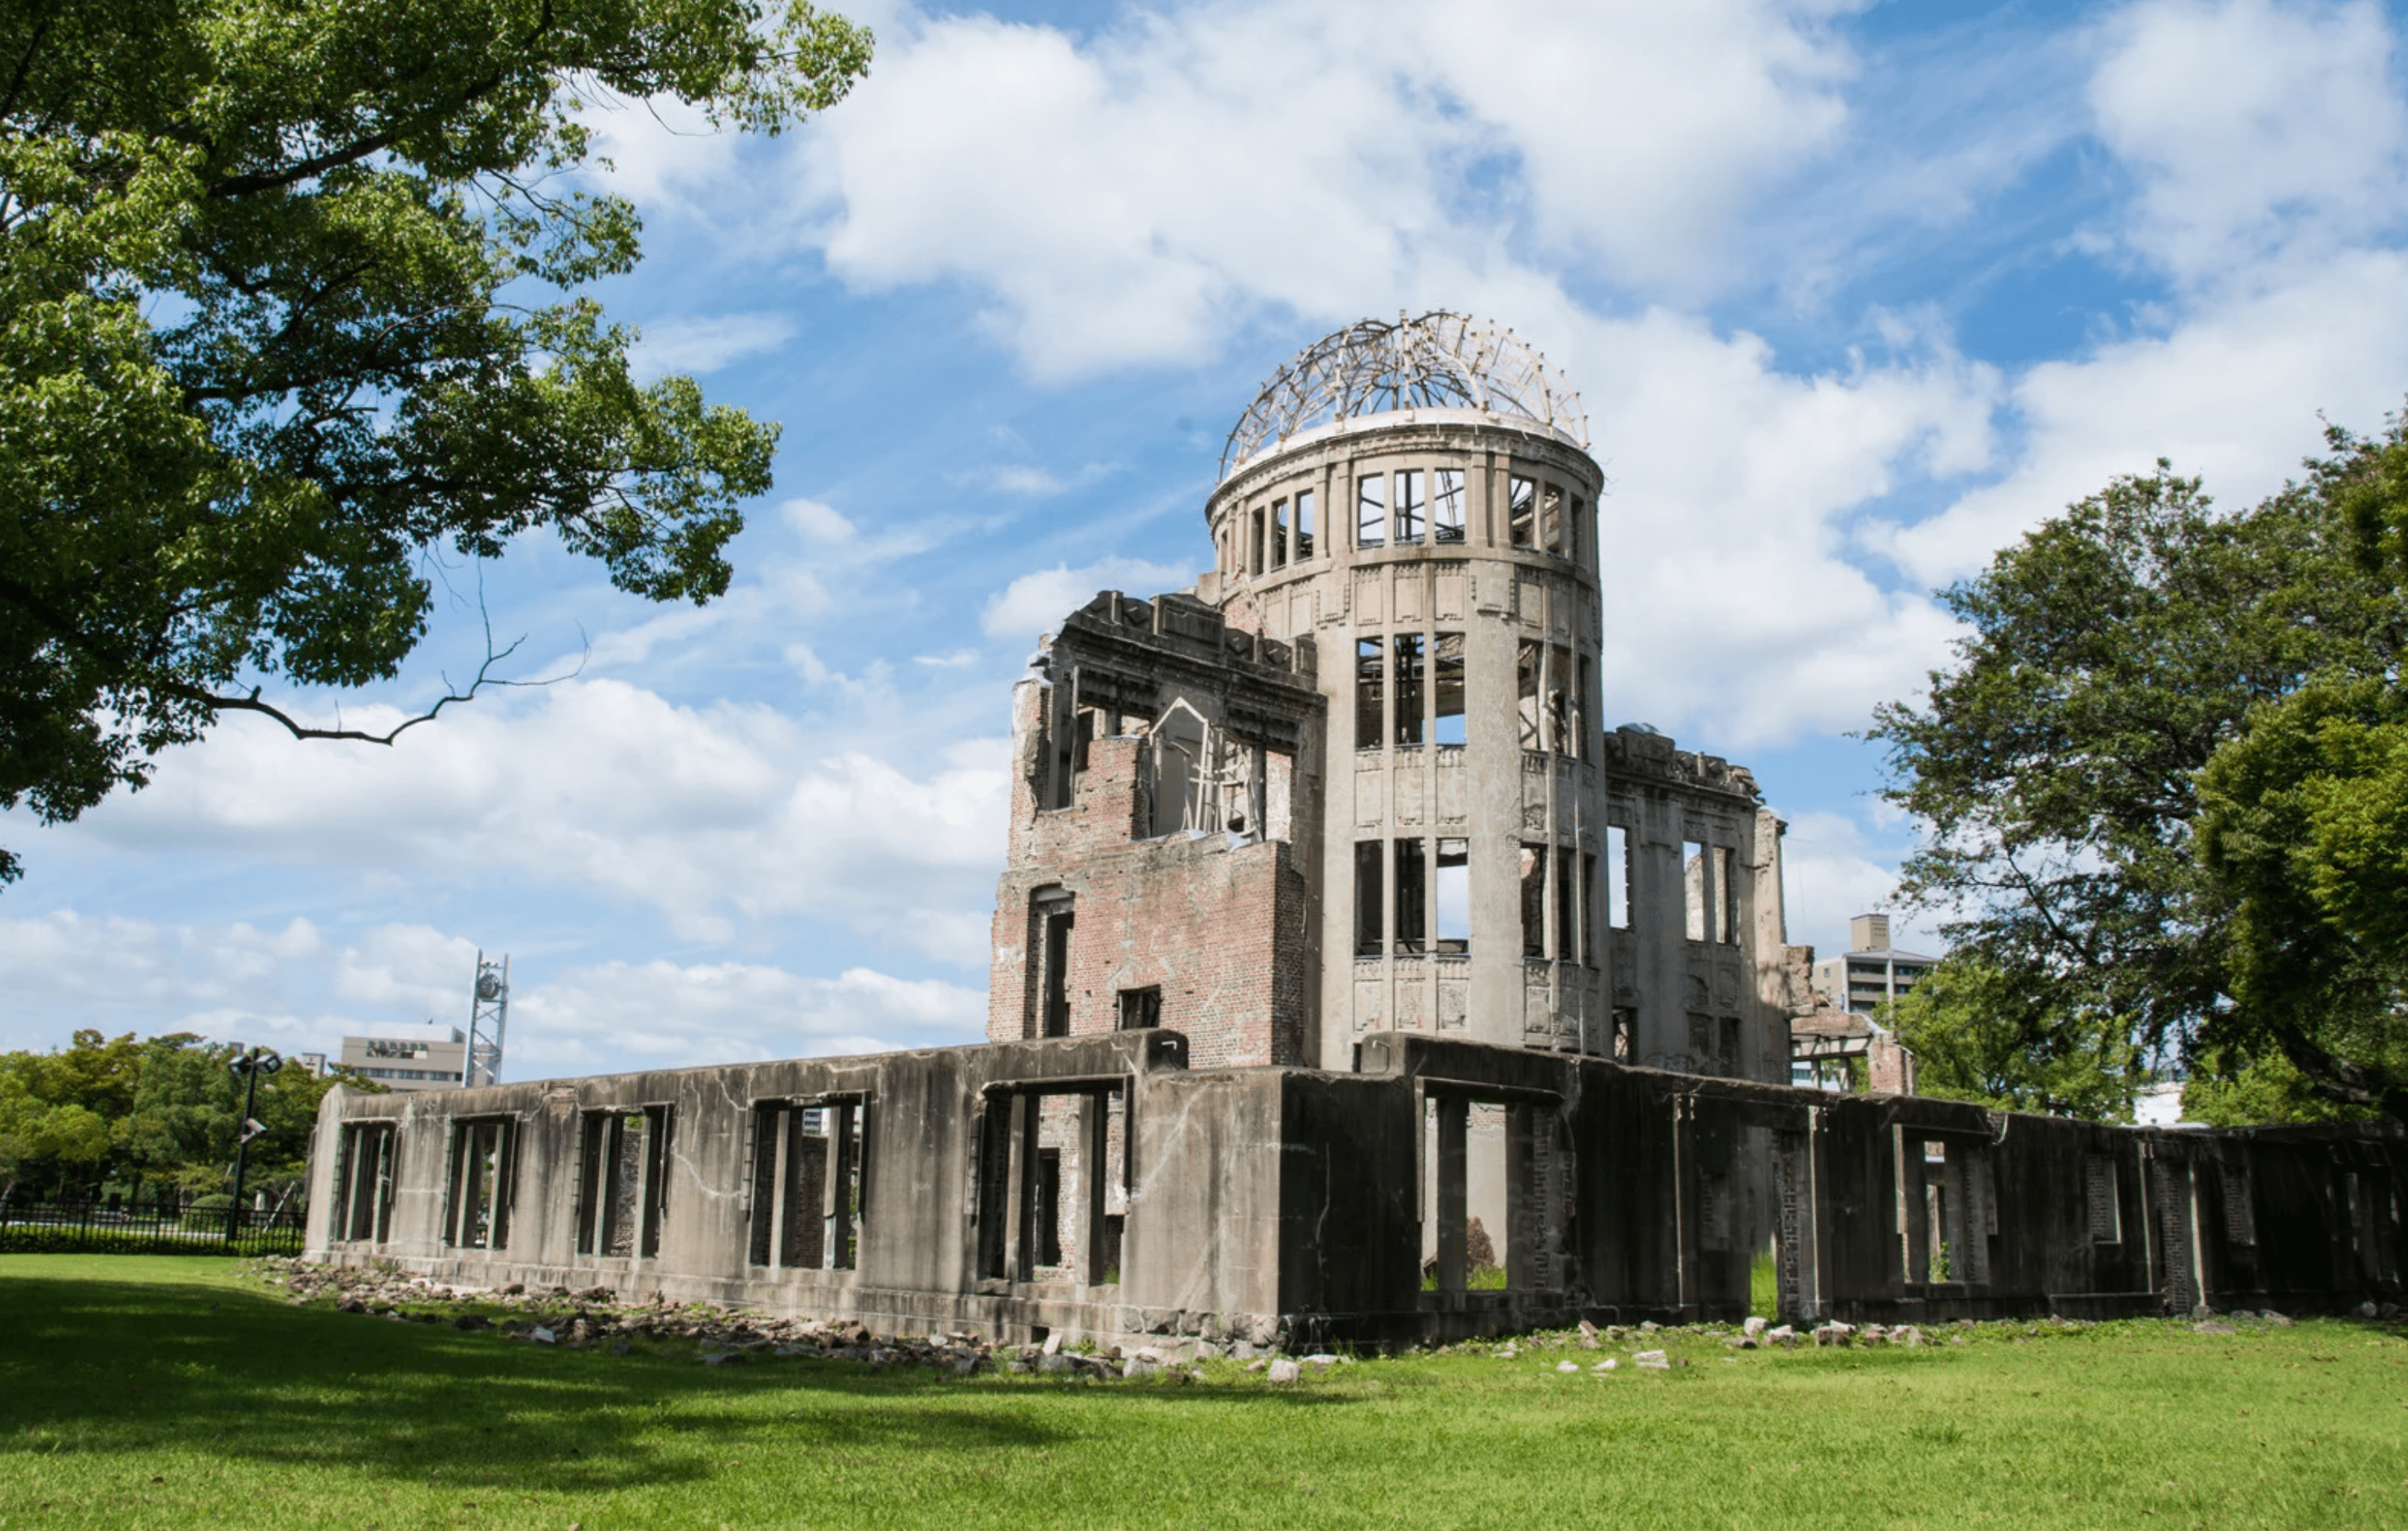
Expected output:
(290, 303)
(164, 1110)
(2056, 764)
(2304, 830)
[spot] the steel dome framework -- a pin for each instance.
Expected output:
(1439, 361)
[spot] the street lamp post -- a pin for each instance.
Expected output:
(247, 1066)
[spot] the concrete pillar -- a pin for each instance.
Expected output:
(1453, 1121)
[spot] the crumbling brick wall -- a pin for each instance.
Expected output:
(1216, 921)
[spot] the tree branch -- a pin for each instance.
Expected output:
(303, 731)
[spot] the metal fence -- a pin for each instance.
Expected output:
(97, 1228)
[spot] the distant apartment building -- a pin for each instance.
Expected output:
(431, 1057)
(1873, 970)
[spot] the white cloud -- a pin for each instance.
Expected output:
(1832, 872)
(706, 344)
(662, 153)
(2232, 392)
(1037, 603)
(712, 814)
(2253, 127)
(293, 991)
(1128, 199)
(1735, 613)
(723, 1012)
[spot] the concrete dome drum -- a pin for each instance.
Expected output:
(1439, 361)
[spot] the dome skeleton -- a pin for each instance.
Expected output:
(1439, 361)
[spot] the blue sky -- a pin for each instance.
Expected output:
(1854, 295)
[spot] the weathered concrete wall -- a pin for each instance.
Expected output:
(1288, 1203)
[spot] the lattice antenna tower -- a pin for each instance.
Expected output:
(489, 1017)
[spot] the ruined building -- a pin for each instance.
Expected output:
(1339, 946)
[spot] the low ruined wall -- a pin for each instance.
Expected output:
(1099, 1185)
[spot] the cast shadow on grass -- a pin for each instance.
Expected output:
(106, 1367)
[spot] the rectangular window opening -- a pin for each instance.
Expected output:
(1049, 1206)
(1566, 907)
(1140, 1008)
(1526, 663)
(1563, 706)
(790, 1168)
(1370, 694)
(1370, 907)
(1409, 506)
(1371, 510)
(1446, 506)
(1520, 511)
(1727, 888)
(1626, 1034)
(1054, 915)
(1580, 709)
(1572, 528)
(1453, 896)
(1534, 900)
(1588, 910)
(1617, 871)
(1695, 874)
(1409, 689)
(1446, 689)
(2106, 1217)
(1551, 519)
(365, 1176)
(1412, 910)
(484, 1161)
(1279, 534)
(1303, 524)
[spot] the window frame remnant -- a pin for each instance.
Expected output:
(1447, 497)
(1017, 1193)
(1304, 530)
(1520, 511)
(1406, 512)
(1696, 891)
(1550, 517)
(1566, 905)
(1053, 912)
(1619, 911)
(1450, 896)
(1562, 727)
(1530, 677)
(1588, 908)
(1255, 562)
(1409, 674)
(364, 1178)
(1371, 693)
(1447, 725)
(482, 1182)
(1412, 895)
(1370, 898)
(1726, 890)
(622, 1176)
(1622, 1046)
(1371, 510)
(1139, 1010)
(1279, 534)
(1534, 899)
(790, 1171)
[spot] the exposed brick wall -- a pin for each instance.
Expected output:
(1221, 929)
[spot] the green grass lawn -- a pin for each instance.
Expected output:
(175, 1391)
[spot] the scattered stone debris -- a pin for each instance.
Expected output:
(714, 1335)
